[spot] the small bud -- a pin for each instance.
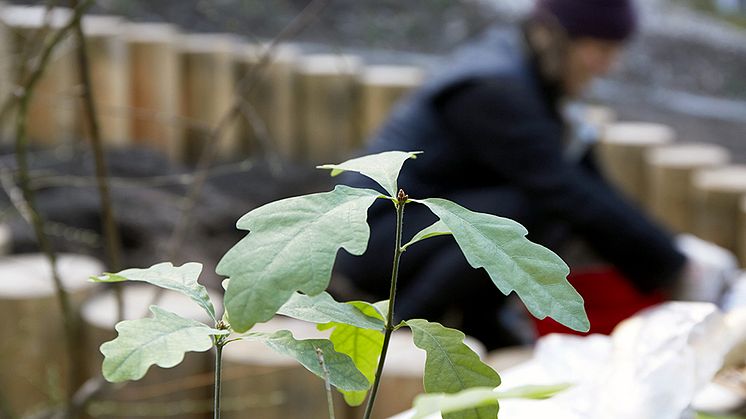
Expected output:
(402, 197)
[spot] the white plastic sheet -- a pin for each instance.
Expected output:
(650, 368)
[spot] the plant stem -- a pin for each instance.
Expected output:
(389, 326)
(327, 385)
(218, 367)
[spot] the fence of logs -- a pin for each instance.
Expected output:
(158, 87)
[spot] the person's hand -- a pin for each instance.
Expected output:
(709, 272)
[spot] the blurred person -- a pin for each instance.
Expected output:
(494, 141)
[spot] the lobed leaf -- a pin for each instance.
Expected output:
(165, 275)
(322, 308)
(383, 168)
(342, 371)
(291, 247)
(451, 366)
(428, 404)
(514, 263)
(161, 340)
(363, 346)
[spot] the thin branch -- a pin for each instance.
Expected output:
(108, 220)
(69, 321)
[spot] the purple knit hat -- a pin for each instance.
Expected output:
(603, 19)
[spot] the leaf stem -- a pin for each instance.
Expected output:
(219, 343)
(327, 385)
(389, 326)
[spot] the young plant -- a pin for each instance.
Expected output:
(284, 265)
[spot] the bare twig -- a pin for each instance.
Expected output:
(108, 220)
(37, 222)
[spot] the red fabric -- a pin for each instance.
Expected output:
(609, 299)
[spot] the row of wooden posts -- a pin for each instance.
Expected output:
(689, 187)
(160, 87)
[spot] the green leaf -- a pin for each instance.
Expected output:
(514, 263)
(362, 345)
(437, 229)
(342, 371)
(382, 307)
(428, 404)
(383, 167)
(291, 247)
(451, 366)
(165, 275)
(533, 391)
(472, 398)
(322, 308)
(161, 340)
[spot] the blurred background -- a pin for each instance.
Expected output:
(207, 109)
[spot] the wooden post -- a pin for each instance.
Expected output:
(245, 58)
(52, 116)
(380, 88)
(33, 354)
(327, 106)
(718, 194)
(155, 86)
(671, 170)
(622, 151)
(208, 87)
(110, 77)
(273, 97)
(183, 391)
(260, 383)
(403, 376)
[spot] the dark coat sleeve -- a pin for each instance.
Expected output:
(505, 129)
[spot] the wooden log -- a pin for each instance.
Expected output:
(403, 376)
(183, 391)
(34, 364)
(718, 193)
(622, 151)
(53, 111)
(208, 92)
(260, 383)
(327, 106)
(155, 86)
(279, 92)
(273, 97)
(248, 131)
(108, 56)
(381, 87)
(671, 170)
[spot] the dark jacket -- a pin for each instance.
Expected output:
(490, 120)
